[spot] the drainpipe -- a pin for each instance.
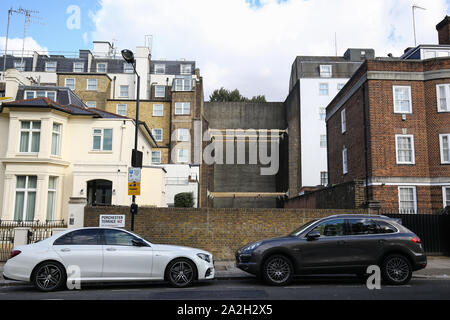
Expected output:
(365, 145)
(170, 122)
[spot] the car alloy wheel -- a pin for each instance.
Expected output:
(181, 273)
(49, 277)
(397, 269)
(278, 270)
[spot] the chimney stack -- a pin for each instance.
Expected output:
(443, 29)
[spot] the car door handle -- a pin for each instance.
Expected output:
(111, 249)
(65, 250)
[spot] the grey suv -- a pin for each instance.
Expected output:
(337, 244)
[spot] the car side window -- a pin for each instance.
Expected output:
(118, 238)
(361, 226)
(332, 228)
(384, 227)
(80, 237)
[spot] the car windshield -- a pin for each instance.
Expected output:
(297, 231)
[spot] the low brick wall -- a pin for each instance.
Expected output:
(348, 195)
(220, 231)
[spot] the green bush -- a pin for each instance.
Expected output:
(184, 200)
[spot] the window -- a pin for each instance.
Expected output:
(183, 134)
(183, 84)
(185, 69)
(69, 83)
(56, 139)
(30, 135)
(40, 94)
(325, 71)
(446, 196)
(51, 198)
(118, 238)
(158, 110)
(91, 104)
(361, 226)
(332, 228)
(343, 121)
(402, 99)
(443, 97)
(183, 155)
(19, 65)
(157, 134)
(182, 108)
(323, 178)
(322, 113)
(445, 147)
(407, 200)
(124, 91)
(344, 161)
(340, 86)
(51, 95)
(25, 199)
(102, 139)
(384, 227)
(50, 66)
(121, 109)
(78, 67)
(404, 145)
(160, 91)
(92, 84)
(160, 68)
(86, 237)
(323, 140)
(323, 89)
(30, 94)
(128, 67)
(156, 156)
(102, 67)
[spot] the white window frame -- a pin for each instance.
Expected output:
(25, 190)
(35, 94)
(51, 69)
(78, 67)
(323, 176)
(183, 84)
(184, 67)
(444, 196)
(100, 63)
(159, 156)
(321, 89)
(91, 104)
(58, 134)
(413, 159)
(128, 67)
(102, 139)
(30, 136)
(182, 160)
(323, 140)
(326, 71)
(343, 121)
(156, 135)
(183, 137)
(322, 113)
(414, 197)
(20, 65)
(158, 67)
(344, 160)
(441, 147)
(396, 107)
(55, 192)
(184, 107)
(156, 112)
(159, 95)
(70, 87)
(121, 95)
(96, 84)
(447, 97)
(118, 111)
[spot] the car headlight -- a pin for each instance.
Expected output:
(204, 256)
(252, 246)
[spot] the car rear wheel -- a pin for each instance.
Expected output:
(278, 270)
(396, 269)
(49, 276)
(181, 273)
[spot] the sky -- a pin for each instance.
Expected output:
(245, 44)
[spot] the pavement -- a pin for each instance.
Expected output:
(438, 268)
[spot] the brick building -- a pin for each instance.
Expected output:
(390, 126)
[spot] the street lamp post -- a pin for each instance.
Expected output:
(129, 57)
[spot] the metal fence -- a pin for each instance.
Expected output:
(39, 230)
(432, 229)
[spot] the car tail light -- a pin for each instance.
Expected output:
(14, 253)
(416, 239)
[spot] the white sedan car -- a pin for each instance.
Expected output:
(105, 254)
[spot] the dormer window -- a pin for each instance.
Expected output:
(325, 71)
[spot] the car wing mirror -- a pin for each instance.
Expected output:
(313, 235)
(138, 243)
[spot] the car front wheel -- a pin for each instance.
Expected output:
(396, 269)
(181, 273)
(278, 270)
(49, 276)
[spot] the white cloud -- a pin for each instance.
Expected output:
(237, 45)
(15, 46)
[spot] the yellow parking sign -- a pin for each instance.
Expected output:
(134, 188)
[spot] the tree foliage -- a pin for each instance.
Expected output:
(224, 95)
(184, 200)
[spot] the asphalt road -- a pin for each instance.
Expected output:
(307, 288)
